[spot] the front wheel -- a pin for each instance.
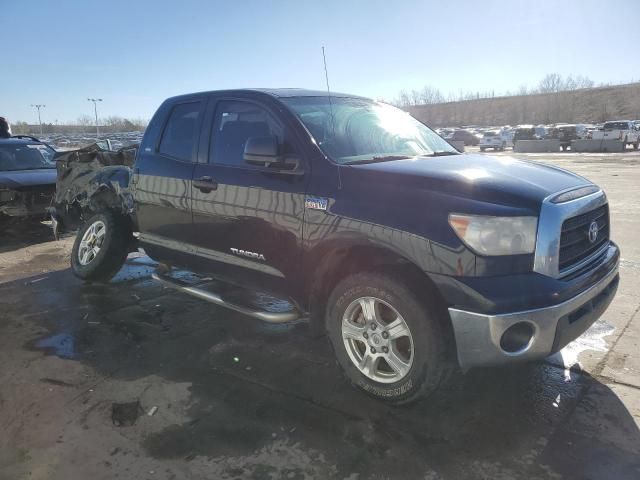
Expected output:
(387, 342)
(101, 247)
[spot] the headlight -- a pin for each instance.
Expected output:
(496, 235)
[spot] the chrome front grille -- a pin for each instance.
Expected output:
(575, 244)
(563, 248)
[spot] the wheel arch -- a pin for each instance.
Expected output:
(339, 259)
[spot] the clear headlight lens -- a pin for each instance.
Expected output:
(496, 235)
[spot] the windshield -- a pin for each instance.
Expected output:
(26, 157)
(350, 130)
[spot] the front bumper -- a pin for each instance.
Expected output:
(478, 336)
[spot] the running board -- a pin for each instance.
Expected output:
(212, 297)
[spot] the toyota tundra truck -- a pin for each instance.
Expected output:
(352, 215)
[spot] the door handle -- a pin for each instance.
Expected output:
(205, 184)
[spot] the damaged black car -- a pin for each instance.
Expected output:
(27, 177)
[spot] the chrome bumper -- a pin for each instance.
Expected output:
(478, 336)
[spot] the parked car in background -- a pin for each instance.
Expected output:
(527, 132)
(27, 177)
(464, 136)
(624, 130)
(565, 134)
(495, 139)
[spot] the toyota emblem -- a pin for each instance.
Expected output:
(593, 231)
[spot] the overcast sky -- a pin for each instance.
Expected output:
(134, 54)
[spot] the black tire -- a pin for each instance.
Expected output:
(429, 364)
(112, 251)
(482, 149)
(636, 145)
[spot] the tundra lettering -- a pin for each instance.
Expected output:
(243, 253)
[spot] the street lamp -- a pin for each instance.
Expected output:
(95, 109)
(39, 106)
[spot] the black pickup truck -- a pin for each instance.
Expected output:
(412, 258)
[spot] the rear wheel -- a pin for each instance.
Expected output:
(482, 149)
(636, 145)
(387, 342)
(101, 247)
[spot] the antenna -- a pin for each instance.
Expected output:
(326, 77)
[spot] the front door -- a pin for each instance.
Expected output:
(248, 218)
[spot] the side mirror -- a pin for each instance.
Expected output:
(263, 151)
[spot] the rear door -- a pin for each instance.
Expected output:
(162, 179)
(248, 219)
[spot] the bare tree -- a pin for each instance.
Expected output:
(550, 83)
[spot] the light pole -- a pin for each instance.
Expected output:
(39, 106)
(95, 110)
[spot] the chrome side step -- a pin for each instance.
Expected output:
(270, 317)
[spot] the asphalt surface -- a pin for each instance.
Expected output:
(130, 380)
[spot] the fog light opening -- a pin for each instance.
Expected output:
(517, 338)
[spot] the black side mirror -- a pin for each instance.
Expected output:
(263, 151)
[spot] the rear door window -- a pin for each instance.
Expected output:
(180, 134)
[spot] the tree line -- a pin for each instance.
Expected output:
(550, 83)
(83, 124)
(553, 105)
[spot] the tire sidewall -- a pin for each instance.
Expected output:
(426, 351)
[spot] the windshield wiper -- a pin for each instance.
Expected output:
(386, 158)
(443, 153)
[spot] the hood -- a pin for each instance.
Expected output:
(497, 180)
(27, 178)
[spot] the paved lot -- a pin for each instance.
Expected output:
(239, 399)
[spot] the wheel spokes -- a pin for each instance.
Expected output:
(351, 331)
(368, 306)
(397, 364)
(398, 328)
(368, 364)
(91, 242)
(377, 339)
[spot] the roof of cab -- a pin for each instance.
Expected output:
(274, 92)
(300, 92)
